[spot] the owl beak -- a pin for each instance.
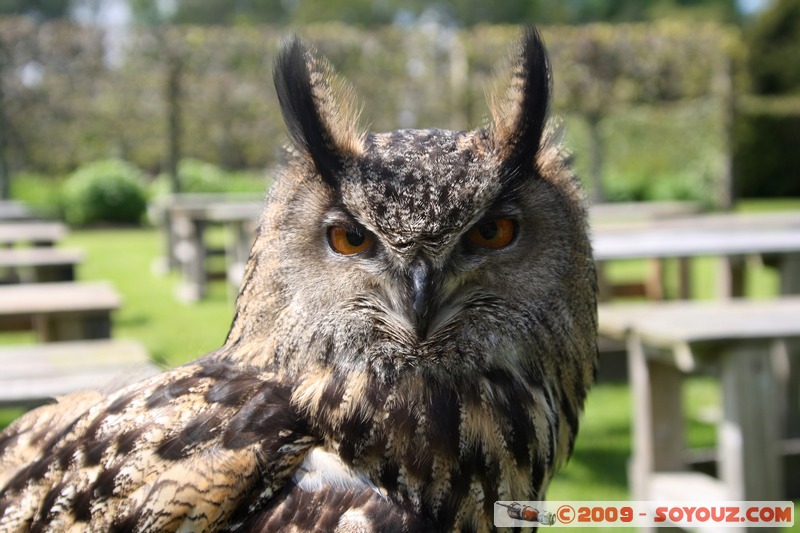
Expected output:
(421, 275)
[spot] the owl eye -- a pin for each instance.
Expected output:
(349, 240)
(493, 234)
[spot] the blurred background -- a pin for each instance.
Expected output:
(113, 110)
(663, 99)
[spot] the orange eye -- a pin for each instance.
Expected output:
(494, 234)
(349, 241)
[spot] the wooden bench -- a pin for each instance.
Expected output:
(11, 210)
(750, 342)
(60, 311)
(37, 265)
(730, 237)
(32, 375)
(35, 233)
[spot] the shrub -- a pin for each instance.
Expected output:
(196, 176)
(104, 191)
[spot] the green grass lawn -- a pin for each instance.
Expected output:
(175, 332)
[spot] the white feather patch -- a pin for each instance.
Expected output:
(324, 469)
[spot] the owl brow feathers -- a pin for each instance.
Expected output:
(319, 110)
(520, 114)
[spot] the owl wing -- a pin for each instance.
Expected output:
(200, 447)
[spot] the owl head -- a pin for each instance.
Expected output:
(429, 252)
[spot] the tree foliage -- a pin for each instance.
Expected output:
(39, 9)
(50, 73)
(451, 12)
(774, 43)
(766, 160)
(67, 104)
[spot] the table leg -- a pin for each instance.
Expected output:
(191, 252)
(72, 326)
(790, 284)
(658, 426)
(731, 277)
(656, 280)
(48, 273)
(603, 286)
(171, 241)
(237, 241)
(159, 215)
(749, 447)
(684, 278)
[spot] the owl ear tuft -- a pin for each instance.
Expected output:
(519, 115)
(318, 109)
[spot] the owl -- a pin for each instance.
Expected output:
(413, 340)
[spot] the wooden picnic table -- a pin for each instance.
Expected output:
(747, 340)
(665, 243)
(33, 375)
(186, 221)
(60, 311)
(43, 264)
(162, 210)
(774, 236)
(35, 233)
(702, 221)
(626, 215)
(732, 237)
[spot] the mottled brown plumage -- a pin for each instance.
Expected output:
(403, 386)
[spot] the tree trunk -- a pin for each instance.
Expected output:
(5, 174)
(174, 123)
(595, 157)
(725, 189)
